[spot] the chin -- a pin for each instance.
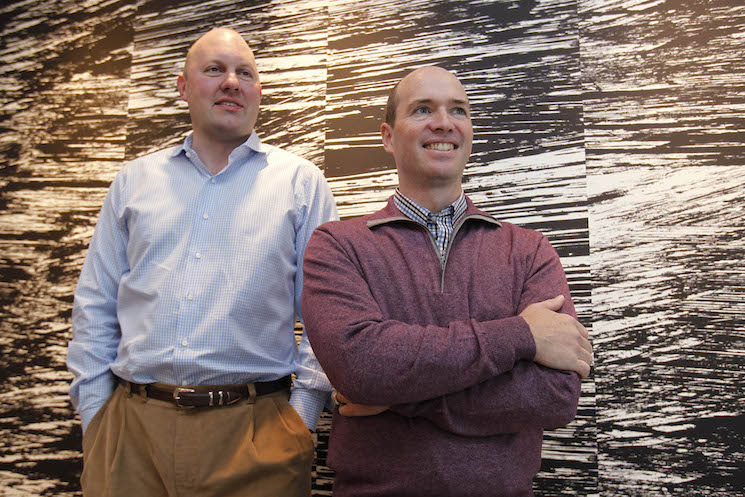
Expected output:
(232, 134)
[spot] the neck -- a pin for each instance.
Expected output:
(433, 199)
(213, 153)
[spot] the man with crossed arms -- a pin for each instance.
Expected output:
(450, 337)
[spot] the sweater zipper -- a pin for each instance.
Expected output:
(456, 228)
(444, 262)
(436, 249)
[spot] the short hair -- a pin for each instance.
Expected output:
(390, 106)
(392, 103)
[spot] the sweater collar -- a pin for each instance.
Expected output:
(391, 214)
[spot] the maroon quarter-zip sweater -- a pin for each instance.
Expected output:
(443, 345)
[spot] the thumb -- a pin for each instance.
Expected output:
(553, 304)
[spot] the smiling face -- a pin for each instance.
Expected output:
(221, 85)
(431, 135)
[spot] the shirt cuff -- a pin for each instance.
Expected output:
(87, 416)
(309, 404)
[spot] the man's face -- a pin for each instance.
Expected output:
(431, 137)
(221, 85)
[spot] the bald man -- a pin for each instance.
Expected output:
(451, 337)
(183, 323)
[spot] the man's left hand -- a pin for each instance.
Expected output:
(347, 408)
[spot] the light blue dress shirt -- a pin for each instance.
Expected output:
(193, 278)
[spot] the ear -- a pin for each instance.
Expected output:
(181, 85)
(386, 132)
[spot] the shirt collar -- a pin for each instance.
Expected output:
(422, 215)
(392, 214)
(253, 143)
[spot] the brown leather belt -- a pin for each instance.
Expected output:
(207, 396)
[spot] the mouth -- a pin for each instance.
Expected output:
(440, 146)
(228, 103)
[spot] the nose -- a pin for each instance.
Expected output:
(441, 121)
(230, 82)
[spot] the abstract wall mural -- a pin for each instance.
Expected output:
(663, 107)
(613, 126)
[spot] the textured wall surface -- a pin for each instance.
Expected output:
(614, 126)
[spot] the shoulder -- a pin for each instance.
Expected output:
(301, 172)
(348, 228)
(151, 162)
(507, 234)
(518, 244)
(347, 233)
(529, 245)
(279, 157)
(520, 234)
(162, 155)
(144, 173)
(339, 242)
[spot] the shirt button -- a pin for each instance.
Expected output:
(190, 296)
(213, 181)
(205, 216)
(198, 255)
(184, 342)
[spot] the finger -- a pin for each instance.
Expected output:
(352, 410)
(582, 330)
(582, 368)
(348, 410)
(554, 304)
(586, 357)
(341, 399)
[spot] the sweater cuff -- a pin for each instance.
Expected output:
(526, 349)
(514, 334)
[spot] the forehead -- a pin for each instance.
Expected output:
(431, 85)
(222, 47)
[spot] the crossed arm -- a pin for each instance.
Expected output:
(508, 389)
(529, 394)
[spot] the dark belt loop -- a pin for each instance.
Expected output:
(251, 393)
(128, 388)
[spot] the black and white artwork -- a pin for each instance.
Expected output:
(615, 127)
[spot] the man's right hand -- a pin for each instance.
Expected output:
(561, 342)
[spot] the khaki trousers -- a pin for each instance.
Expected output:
(140, 447)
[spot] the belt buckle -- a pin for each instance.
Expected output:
(177, 396)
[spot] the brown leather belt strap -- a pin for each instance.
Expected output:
(207, 395)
